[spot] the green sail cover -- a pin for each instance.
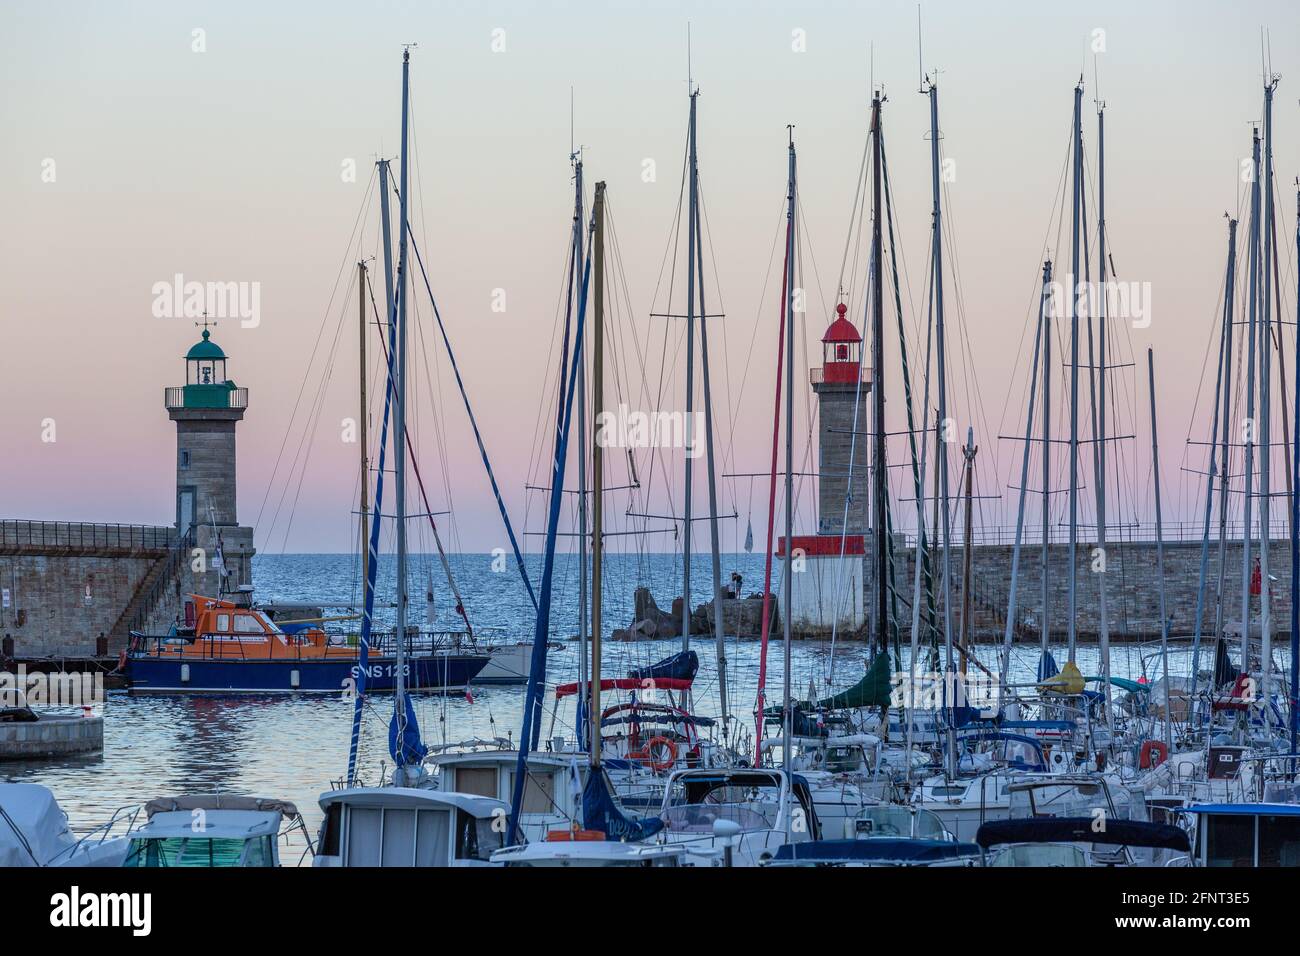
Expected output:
(872, 691)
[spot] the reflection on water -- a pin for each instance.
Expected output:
(296, 747)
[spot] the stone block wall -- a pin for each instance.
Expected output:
(1132, 587)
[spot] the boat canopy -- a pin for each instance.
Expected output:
(1161, 836)
(1132, 686)
(882, 849)
(1244, 809)
(219, 801)
(681, 666)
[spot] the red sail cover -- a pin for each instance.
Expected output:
(627, 683)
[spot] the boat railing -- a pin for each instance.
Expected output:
(123, 820)
(424, 643)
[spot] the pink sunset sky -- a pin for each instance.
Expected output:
(129, 156)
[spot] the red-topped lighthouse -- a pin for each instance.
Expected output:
(841, 353)
(837, 387)
(830, 589)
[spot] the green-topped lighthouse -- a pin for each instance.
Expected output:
(206, 410)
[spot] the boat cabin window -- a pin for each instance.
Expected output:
(397, 836)
(844, 759)
(480, 781)
(1229, 840)
(223, 623)
(1279, 841)
(477, 837)
(200, 852)
(1251, 840)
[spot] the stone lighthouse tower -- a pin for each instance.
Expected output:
(836, 385)
(830, 588)
(206, 410)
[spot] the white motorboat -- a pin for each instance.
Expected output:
(214, 830)
(34, 831)
(408, 826)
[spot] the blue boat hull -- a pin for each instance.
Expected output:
(152, 675)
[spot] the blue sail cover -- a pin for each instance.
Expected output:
(681, 666)
(601, 812)
(1047, 666)
(412, 749)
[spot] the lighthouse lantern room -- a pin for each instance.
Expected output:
(841, 350)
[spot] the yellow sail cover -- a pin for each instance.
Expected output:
(1068, 681)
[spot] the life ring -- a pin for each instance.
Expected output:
(1151, 749)
(656, 744)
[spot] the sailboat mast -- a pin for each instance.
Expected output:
(1212, 473)
(691, 232)
(1294, 716)
(1075, 250)
(597, 464)
(879, 519)
(1265, 402)
(1012, 601)
(362, 420)
(1160, 558)
(761, 697)
(969, 453)
(1249, 437)
(399, 423)
(719, 632)
(940, 443)
(1103, 615)
(575, 261)
(1225, 473)
(787, 700)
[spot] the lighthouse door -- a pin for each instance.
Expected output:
(184, 511)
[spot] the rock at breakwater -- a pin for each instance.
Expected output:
(741, 616)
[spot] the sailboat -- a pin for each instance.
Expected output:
(438, 828)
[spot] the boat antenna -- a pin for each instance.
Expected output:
(690, 80)
(920, 61)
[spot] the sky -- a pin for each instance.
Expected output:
(144, 140)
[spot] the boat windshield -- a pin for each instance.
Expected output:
(891, 820)
(1042, 854)
(199, 852)
(1076, 798)
(753, 807)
